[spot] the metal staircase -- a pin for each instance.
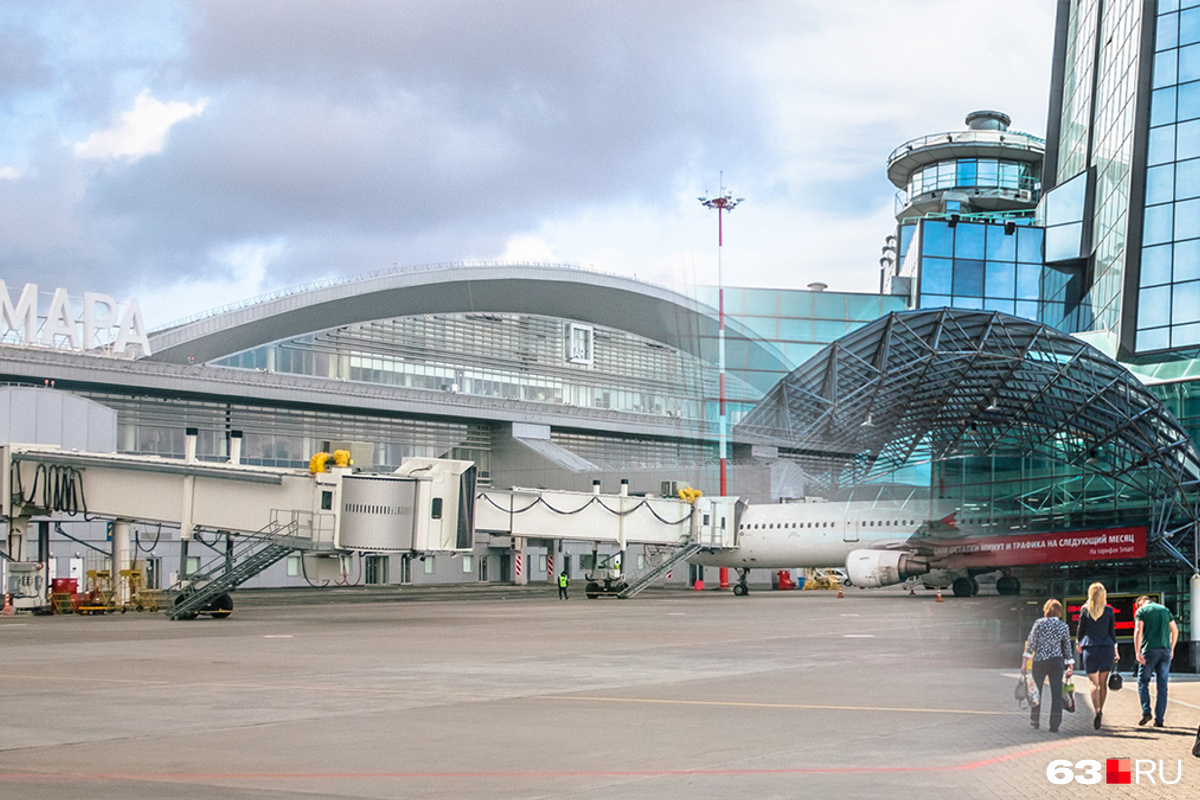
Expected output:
(207, 590)
(679, 555)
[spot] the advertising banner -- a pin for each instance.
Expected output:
(1026, 549)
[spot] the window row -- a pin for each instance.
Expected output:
(1026, 309)
(1170, 263)
(1175, 304)
(970, 172)
(1171, 222)
(1177, 27)
(1176, 181)
(981, 278)
(1162, 338)
(982, 241)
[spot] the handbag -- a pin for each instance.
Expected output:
(1020, 693)
(1069, 697)
(1032, 693)
(1115, 681)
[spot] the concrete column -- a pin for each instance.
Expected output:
(122, 558)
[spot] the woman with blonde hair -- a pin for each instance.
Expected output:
(1048, 651)
(1097, 643)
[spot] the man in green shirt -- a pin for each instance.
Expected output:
(1154, 637)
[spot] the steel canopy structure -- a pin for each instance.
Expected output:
(992, 399)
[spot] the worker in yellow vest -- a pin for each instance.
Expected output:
(562, 585)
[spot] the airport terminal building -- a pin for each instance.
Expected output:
(542, 375)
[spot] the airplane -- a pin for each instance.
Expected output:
(877, 542)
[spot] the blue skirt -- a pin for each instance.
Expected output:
(1098, 659)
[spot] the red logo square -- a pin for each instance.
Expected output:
(1119, 770)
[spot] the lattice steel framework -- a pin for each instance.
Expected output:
(926, 386)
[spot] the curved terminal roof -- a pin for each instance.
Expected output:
(612, 301)
(922, 386)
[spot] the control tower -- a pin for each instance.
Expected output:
(986, 169)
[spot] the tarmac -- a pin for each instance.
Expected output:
(507, 692)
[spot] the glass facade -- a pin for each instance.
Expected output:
(971, 173)
(1168, 311)
(982, 266)
(503, 357)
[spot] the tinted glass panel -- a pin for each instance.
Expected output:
(968, 241)
(974, 303)
(1062, 243)
(1154, 340)
(1187, 219)
(1029, 245)
(1187, 179)
(1156, 265)
(968, 278)
(1064, 203)
(1186, 265)
(1167, 34)
(936, 275)
(1028, 281)
(1162, 106)
(1189, 63)
(1187, 138)
(1001, 246)
(938, 239)
(1001, 280)
(1189, 26)
(1158, 225)
(1164, 69)
(1162, 145)
(1185, 302)
(1160, 184)
(1154, 307)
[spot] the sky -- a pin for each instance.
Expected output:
(194, 154)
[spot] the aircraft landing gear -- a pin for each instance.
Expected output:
(965, 587)
(1008, 586)
(740, 588)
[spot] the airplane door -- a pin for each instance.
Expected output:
(850, 529)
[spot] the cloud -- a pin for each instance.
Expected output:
(354, 136)
(139, 132)
(9, 174)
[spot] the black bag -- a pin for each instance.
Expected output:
(1115, 681)
(1196, 746)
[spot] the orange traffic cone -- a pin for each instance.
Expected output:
(698, 585)
(8, 606)
(939, 596)
(840, 592)
(912, 592)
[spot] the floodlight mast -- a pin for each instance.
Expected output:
(723, 202)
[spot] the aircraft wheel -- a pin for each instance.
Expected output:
(1008, 585)
(962, 587)
(592, 591)
(974, 587)
(739, 589)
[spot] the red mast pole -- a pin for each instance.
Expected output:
(724, 201)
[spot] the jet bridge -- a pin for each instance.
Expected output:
(674, 528)
(425, 507)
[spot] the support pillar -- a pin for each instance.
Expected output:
(122, 557)
(1194, 622)
(521, 574)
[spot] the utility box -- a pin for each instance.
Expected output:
(27, 584)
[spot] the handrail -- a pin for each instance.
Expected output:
(1017, 140)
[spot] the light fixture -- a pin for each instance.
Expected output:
(867, 423)
(991, 406)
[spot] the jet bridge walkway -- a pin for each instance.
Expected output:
(677, 528)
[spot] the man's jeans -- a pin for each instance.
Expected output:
(1158, 664)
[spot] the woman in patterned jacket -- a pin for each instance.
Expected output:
(1049, 648)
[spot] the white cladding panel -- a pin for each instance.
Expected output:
(378, 513)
